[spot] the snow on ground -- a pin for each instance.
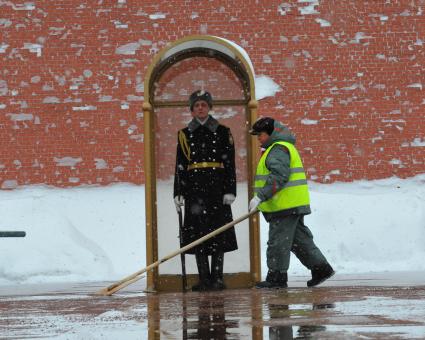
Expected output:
(98, 233)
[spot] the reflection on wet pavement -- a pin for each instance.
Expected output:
(277, 311)
(344, 312)
(211, 322)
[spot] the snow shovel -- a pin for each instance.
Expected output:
(111, 289)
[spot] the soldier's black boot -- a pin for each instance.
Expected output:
(320, 274)
(274, 279)
(217, 262)
(203, 271)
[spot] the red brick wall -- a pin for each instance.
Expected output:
(351, 74)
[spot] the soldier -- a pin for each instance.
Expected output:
(281, 194)
(205, 184)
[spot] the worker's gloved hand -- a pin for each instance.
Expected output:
(228, 199)
(179, 202)
(253, 204)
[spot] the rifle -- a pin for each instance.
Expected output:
(182, 255)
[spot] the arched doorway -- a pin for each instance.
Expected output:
(223, 68)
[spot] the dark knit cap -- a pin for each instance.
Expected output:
(265, 124)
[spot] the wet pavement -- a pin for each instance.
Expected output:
(367, 306)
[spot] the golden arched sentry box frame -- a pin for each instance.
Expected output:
(231, 54)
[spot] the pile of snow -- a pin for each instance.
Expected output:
(78, 234)
(265, 87)
(371, 225)
(98, 233)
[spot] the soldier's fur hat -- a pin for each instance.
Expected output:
(200, 95)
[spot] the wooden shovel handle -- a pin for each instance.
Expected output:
(111, 289)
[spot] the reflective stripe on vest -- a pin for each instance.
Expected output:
(295, 191)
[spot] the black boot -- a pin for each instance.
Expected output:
(217, 262)
(274, 279)
(204, 273)
(320, 274)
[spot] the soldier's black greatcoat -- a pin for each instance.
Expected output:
(203, 187)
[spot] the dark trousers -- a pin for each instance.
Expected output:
(205, 273)
(289, 233)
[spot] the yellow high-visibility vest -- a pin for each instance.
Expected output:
(295, 191)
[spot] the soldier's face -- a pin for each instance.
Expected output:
(200, 109)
